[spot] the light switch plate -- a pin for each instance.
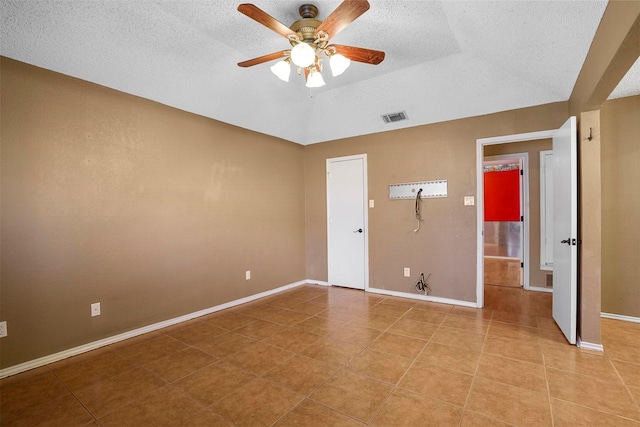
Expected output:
(469, 200)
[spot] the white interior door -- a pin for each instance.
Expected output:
(565, 229)
(347, 221)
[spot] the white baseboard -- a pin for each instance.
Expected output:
(620, 317)
(318, 282)
(539, 289)
(407, 295)
(36, 363)
(423, 297)
(589, 345)
(501, 257)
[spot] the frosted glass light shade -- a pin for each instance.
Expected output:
(303, 55)
(315, 79)
(282, 70)
(339, 63)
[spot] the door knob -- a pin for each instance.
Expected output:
(359, 230)
(567, 241)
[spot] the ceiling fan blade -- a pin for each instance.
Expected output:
(264, 58)
(359, 54)
(257, 14)
(344, 15)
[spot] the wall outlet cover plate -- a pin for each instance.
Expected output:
(95, 309)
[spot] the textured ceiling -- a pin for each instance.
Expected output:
(630, 84)
(444, 59)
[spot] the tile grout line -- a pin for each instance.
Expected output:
(414, 363)
(137, 365)
(326, 380)
(342, 369)
(73, 394)
(624, 383)
(386, 330)
(546, 380)
(396, 385)
(475, 372)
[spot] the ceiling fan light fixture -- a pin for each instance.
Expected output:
(281, 69)
(303, 55)
(339, 63)
(310, 39)
(315, 79)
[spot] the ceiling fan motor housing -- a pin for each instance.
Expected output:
(306, 26)
(308, 11)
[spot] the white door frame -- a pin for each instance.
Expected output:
(524, 209)
(480, 144)
(365, 210)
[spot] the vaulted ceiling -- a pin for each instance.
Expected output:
(444, 59)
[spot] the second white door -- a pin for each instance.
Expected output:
(347, 221)
(565, 229)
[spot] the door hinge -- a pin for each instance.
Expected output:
(521, 218)
(521, 172)
(522, 265)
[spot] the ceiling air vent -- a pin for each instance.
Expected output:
(394, 117)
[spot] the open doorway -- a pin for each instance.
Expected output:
(515, 242)
(565, 220)
(505, 198)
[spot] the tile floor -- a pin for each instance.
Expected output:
(502, 271)
(316, 356)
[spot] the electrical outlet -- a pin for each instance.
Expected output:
(407, 272)
(247, 275)
(3, 329)
(469, 200)
(371, 203)
(95, 309)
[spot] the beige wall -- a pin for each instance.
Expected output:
(151, 211)
(620, 153)
(537, 277)
(589, 227)
(445, 246)
(156, 213)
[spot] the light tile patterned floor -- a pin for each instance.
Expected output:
(316, 356)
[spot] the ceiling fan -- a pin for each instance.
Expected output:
(309, 38)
